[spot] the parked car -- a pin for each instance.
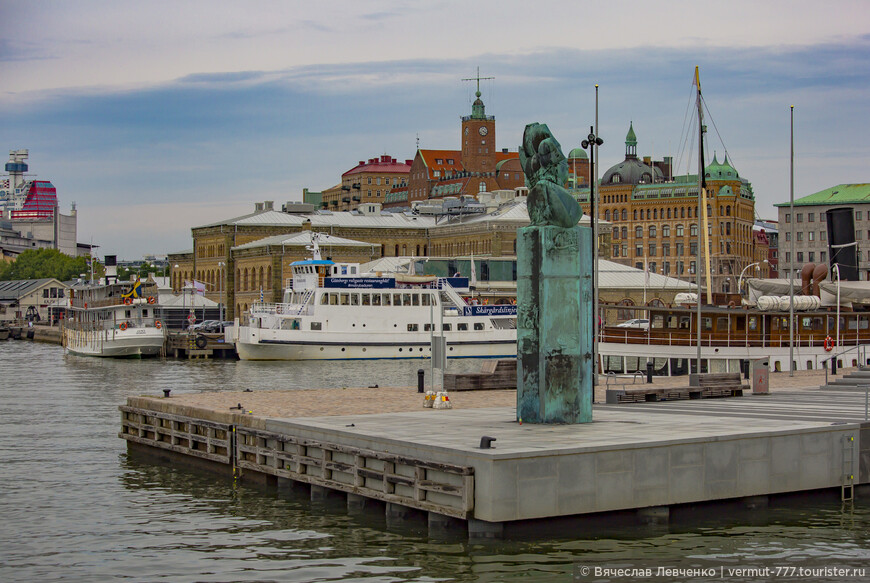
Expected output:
(204, 326)
(641, 323)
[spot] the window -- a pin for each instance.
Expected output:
(857, 215)
(811, 217)
(478, 326)
(607, 215)
(787, 217)
(799, 217)
(681, 249)
(693, 248)
(811, 235)
(624, 214)
(823, 235)
(788, 236)
(680, 230)
(316, 326)
(638, 232)
(666, 230)
(652, 249)
(823, 256)
(413, 327)
(447, 327)
(638, 251)
(652, 231)
(625, 232)
(481, 187)
(693, 230)
(616, 250)
(800, 235)
(616, 232)
(811, 256)
(788, 256)
(462, 327)
(666, 249)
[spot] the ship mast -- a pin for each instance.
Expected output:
(703, 236)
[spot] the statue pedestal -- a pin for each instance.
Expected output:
(554, 325)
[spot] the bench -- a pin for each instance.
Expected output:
(710, 385)
(494, 374)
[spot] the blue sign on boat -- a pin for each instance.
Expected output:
(359, 282)
(496, 310)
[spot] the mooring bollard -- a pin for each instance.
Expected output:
(420, 374)
(166, 393)
(649, 372)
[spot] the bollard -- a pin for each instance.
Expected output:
(420, 374)
(649, 372)
(166, 392)
(745, 365)
(834, 365)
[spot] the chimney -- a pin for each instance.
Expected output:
(269, 205)
(111, 264)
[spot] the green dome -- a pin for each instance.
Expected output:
(577, 153)
(721, 171)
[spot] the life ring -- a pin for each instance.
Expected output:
(128, 301)
(829, 344)
(151, 299)
(123, 326)
(279, 309)
(158, 324)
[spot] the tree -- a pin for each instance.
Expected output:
(42, 263)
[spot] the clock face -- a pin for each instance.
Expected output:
(483, 131)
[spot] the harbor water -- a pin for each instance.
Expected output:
(74, 506)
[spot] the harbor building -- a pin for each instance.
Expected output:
(30, 213)
(655, 219)
(368, 182)
(807, 230)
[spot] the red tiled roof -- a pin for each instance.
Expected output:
(431, 159)
(384, 164)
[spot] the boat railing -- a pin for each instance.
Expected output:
(723, 340)
(90, 303)
(121, 324)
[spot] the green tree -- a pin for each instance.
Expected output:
(41, 263)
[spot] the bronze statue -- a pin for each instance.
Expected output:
(546, 170)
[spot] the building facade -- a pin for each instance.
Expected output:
(368, 182)
(656, 223)
(803, 238)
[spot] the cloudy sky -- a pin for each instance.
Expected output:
(158, 116)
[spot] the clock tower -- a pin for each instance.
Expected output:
(478, 139)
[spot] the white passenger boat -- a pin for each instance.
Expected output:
(118, 319)
(331, 311)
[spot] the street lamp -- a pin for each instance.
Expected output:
(837, 271)
(221, 287)
(756, 265)
(592, 142)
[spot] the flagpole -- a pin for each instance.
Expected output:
(791, 263)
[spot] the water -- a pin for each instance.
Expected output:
(75, 507)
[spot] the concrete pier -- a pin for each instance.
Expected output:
(647, 458)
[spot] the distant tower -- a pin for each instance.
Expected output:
(478, 135)
(9, 198)
(630, 143)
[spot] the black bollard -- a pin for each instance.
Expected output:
(745, 365)
(834, 365)
(166, 392)
(420, 374)
(649, 372)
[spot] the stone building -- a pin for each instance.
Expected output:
(807, 229)
(655, 218)
(367, 182)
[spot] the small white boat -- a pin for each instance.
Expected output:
(332, 312)
(115, 320)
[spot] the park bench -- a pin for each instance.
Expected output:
(709, 385)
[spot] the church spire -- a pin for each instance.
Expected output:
(630, 142)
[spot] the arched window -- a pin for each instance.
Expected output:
(238, 279)
(625, 232)
(652, 231)
(261, 278)
(666, 230)
(623, 313)
(397, 250)
(728, 211)
(709, 211)
(669, 213)
(647, 214)
(245, 280)
(693, 230)
(638, 232)
(680, 231)
(269, 277)
(656, 303)
(481, 187)
(635, 214)
(418, 250)
(727, 228)
(607, 215)
(655, 214)
(682, 212)
(624, 214)
(404, 250)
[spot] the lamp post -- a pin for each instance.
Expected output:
(221, 286)
(756, 265)
(837, 271)
(592, 142)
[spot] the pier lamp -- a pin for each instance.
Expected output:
(591, 143)
(221, 287)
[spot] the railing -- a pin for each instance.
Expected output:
(129, 323)
(655, 337)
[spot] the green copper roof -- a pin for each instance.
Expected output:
(721, 171)
(630, 138)
(577, 153)
(840, 194)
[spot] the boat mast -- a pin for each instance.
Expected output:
(703, 243)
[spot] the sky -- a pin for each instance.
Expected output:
(156, 117)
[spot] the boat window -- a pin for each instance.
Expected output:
(413, 327)
(354, 299)
(126, 313)
(862, 323)
(376, 299)
(707, 324)
(333, 299)
(463, 327)
(685, 322)
(406, 299)
(427, 327)
(673, 321)
(447, 327)
(397, 299)
(753, 323)
(386, 299)
(367, 299)
(817, 323)
(415, 299)
(315, 326)
(345, 299)
(722, 324)
(852, 324)
(145, 312)
(425, 300)
(658, 321)
(478, 325)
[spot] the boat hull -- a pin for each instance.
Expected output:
(132, 343)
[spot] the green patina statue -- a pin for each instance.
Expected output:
(546, 170)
